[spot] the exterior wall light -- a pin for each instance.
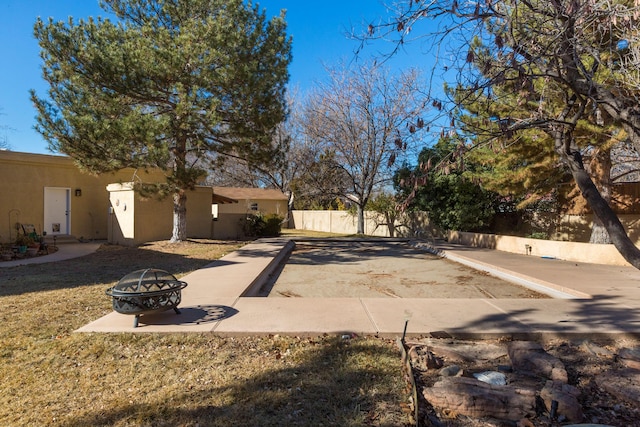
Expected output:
(78, 192)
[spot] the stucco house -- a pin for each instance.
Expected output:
(133, 220)
(233, 204)
(51, 193)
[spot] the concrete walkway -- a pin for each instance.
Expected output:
(590, 299)
(65, 251)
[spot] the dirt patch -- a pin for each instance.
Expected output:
(362, 269)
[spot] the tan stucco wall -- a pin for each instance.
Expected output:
(577, 228)
(122, 213)
(278, 207)
(199, 218)
(568, 251)
(23, 177)
(342, 222)
(228, 224)
(136, 220)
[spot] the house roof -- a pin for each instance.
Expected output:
(221, 200)
(237, 193)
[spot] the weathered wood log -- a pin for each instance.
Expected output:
(623, 384)
(530, 356)
(423, 360)
(457, 351)
(630, 357)
(567, 397)
(473, 398)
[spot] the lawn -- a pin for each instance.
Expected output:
(52, 376)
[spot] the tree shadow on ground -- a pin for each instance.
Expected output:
(602, 316)
(336, 252)
(332, 386)
(107, 265)
(605, 312)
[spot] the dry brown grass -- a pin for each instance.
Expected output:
(51, 376)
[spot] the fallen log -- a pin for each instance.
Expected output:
(468, 396)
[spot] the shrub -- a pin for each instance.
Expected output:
(539, 235)
(259, 225)
(273, 225)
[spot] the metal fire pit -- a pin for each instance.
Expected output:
(146, 291)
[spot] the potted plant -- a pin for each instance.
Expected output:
(33, 249)
(22, 242)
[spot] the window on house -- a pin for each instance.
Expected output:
(254, 206)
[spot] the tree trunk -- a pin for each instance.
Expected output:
(289, 219)
(360, 219)
(599, 233)
(179, 217)
(391, 223)
(600, 169)
(601, 209)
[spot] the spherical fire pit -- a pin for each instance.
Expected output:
(146, 291)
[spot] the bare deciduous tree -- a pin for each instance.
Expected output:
(366, 120)
(293, 171)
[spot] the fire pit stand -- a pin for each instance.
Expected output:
(146, 291)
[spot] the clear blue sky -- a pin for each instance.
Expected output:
(318, 29)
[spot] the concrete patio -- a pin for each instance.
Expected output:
(590, 300)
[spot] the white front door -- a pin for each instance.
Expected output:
(57, 210)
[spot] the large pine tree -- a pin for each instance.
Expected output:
(165, 84)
